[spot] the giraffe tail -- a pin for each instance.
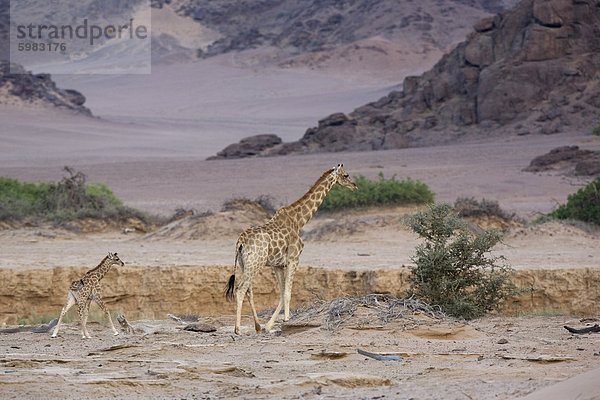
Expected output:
(230, 287)
(231, 282)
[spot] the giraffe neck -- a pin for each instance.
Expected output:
(98, 272)
(305, 207)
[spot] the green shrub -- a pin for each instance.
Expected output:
(384, 192)
(596, 129)
(69, 199)
(584, 205)
(452, 269)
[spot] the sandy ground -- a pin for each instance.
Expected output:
(360, 242)
(490, 358)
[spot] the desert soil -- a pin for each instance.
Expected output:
(499, 357)
(489, 358)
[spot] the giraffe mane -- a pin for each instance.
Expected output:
(97, 266)
(312, 188)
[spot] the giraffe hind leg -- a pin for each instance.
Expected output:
(240, 293)
(70, 302)
(279, 277)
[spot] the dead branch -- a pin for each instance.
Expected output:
(589, 329)
(28, 328)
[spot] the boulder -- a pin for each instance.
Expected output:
(73, 97)
(248, 147)
(568, 158)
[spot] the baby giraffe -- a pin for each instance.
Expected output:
(86, 289)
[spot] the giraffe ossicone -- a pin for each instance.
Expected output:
(277, 244)
(86, 289)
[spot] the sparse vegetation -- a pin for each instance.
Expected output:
(384, 192)
(37, 319)
(541, 312)
(453, 270)
(265, 202)
(584, 205)
(596, 129)
(67, 200)
(469, 207)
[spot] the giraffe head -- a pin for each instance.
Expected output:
(115, 260)
(342, 178)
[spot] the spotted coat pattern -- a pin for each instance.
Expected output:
(277, 244)
(86, 289)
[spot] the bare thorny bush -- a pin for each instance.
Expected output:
(69, 193)
(382, 308)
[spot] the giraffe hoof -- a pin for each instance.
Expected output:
(116, 333)
(53, 335)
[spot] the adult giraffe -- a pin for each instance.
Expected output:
(278, 245)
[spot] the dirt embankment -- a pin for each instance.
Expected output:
(152, 292)
(183, 267)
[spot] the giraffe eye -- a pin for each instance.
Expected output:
(346, 176)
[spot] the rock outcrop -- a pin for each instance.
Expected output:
(248, 147)
(570, 159)
(531, 69)
(19, 87)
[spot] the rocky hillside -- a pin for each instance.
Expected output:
(22, 88)
(531, 69)
(292, 28)
(4, 28)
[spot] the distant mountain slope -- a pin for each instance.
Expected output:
(531, 69)
(313, 25)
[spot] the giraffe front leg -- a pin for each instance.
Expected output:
(279, 277)
(68, 305)
(289, 280)
(103, 307)
(83, 316)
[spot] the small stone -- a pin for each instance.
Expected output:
(200, 328)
